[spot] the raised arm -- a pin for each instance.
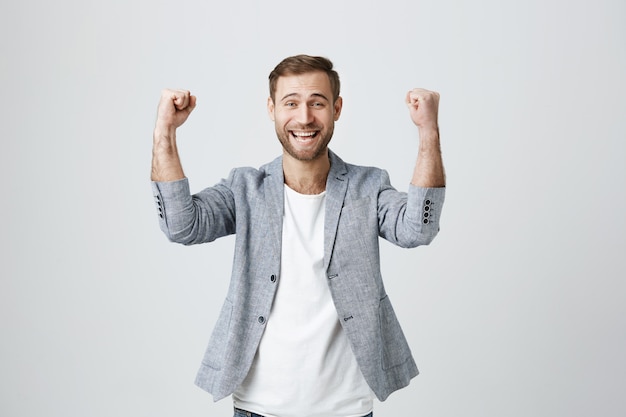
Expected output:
(174, 108)
(424, 106)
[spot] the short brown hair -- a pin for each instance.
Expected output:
(302, 64)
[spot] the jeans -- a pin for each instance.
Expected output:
(244, 413)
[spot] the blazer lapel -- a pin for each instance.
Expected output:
(274, 201)
(336, 187)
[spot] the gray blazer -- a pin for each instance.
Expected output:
(361, 205)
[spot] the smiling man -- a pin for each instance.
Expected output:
(306, 328)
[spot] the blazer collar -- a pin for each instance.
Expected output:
(275, 177)
(336, 187)
(275, 202)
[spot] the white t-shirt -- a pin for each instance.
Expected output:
(304, 365)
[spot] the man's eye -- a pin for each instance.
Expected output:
(290, 104)
(318, 104)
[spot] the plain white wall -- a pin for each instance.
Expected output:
(516, 309)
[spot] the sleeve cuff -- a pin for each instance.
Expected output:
(427, 204)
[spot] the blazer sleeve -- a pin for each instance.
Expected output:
(190, 219)
(409, 219)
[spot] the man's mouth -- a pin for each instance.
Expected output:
(303, 136)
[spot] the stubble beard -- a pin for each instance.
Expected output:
(284, 138)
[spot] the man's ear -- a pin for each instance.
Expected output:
(270, 108)
(338, 105)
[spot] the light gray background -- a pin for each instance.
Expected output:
(518, 307)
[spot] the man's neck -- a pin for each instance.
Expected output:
(306, 177)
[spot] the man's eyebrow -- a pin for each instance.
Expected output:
(289, 95)
(320, 95)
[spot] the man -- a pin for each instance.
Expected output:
(306, 328)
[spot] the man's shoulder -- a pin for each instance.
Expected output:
(261, 171)
(248, 175)
(364, 169)
(353, 170)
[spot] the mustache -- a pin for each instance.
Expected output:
(310, 126)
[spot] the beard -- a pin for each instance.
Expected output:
(323, 139)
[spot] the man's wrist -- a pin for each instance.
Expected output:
(164, 133)
(428, 131)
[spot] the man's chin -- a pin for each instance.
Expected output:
(306, 156)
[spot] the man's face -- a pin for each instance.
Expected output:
(304, 114)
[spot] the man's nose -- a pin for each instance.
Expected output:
(305, 115)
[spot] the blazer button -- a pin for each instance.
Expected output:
(261, 319)
(273, 278)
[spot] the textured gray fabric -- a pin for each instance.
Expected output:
(361, 206)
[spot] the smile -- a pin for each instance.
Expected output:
(303, 136)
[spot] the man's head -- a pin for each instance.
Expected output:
(301, 64)
(304, 104)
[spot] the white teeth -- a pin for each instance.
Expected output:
(303, 134)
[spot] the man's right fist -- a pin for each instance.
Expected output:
(174, 108)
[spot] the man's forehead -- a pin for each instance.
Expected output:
(303, 83)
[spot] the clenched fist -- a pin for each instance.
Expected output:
(423, 106)
(174, 108)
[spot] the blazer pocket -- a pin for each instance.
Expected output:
(216, 350)
(395, 348)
